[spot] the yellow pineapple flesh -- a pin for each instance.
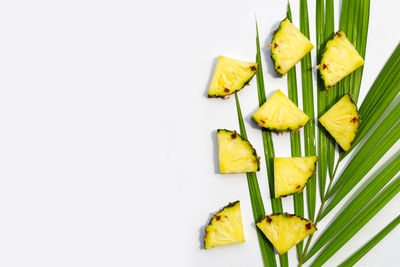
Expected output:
(280, 114)
(342, 121)
(225, 228)
(288, 47)
(292, 174)
(230, 75)
(339, 59)
(285, 230)
(236, 154)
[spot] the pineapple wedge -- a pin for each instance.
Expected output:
(288, 47)
(285, 230)
(339, 59)
(225, 228)
(280, 114)
(342, 121)
(230, 75)
(236, 154)
(292, 174)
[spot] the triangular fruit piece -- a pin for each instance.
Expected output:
(285, 230)
(280, 114)
(292, 174)
(236, 154)
(230, 75)
(339, 59)
(288, 47)
(225, 227)
(342, 121)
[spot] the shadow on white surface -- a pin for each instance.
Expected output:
(250, 121)
(202, 230)
(267, 52)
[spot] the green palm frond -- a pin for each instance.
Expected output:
(382, 138)
(370, 244)
(321, 101)
(269, 152)
(267, 250)
(360, 219)
(354, 20)
(332, 92)
(380, 141)
(378, 97)
(325, 99)
(308, 108)
(379, 130)
(340, 222)
(295, 143)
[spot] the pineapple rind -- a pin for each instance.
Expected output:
(342, 121)
(288, 47)
(239, 157)
(279, 113)
(289, 231)
(292, 174)
(230, 75)
(225, 227)
(339, 59)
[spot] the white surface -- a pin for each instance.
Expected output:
(107, 149)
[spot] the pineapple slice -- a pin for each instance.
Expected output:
(280, 114)
(230, 75)
(288, 47)
(339, 59)
(225, 228)
(342, 121)
(292, 174)
(285, 230)
(236, 154)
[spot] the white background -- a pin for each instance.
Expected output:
(107, 141)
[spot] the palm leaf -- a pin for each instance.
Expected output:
(308, 108)
(269, 152)
(332, 92)
(381, 132)
(364, 160)
(378, 97)
(348, 22)
(360, 219)
(379, 180)
(321, 101)
(295, 143)
(267, 250)
(326, 144)
(370, 244)
(354, 19)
